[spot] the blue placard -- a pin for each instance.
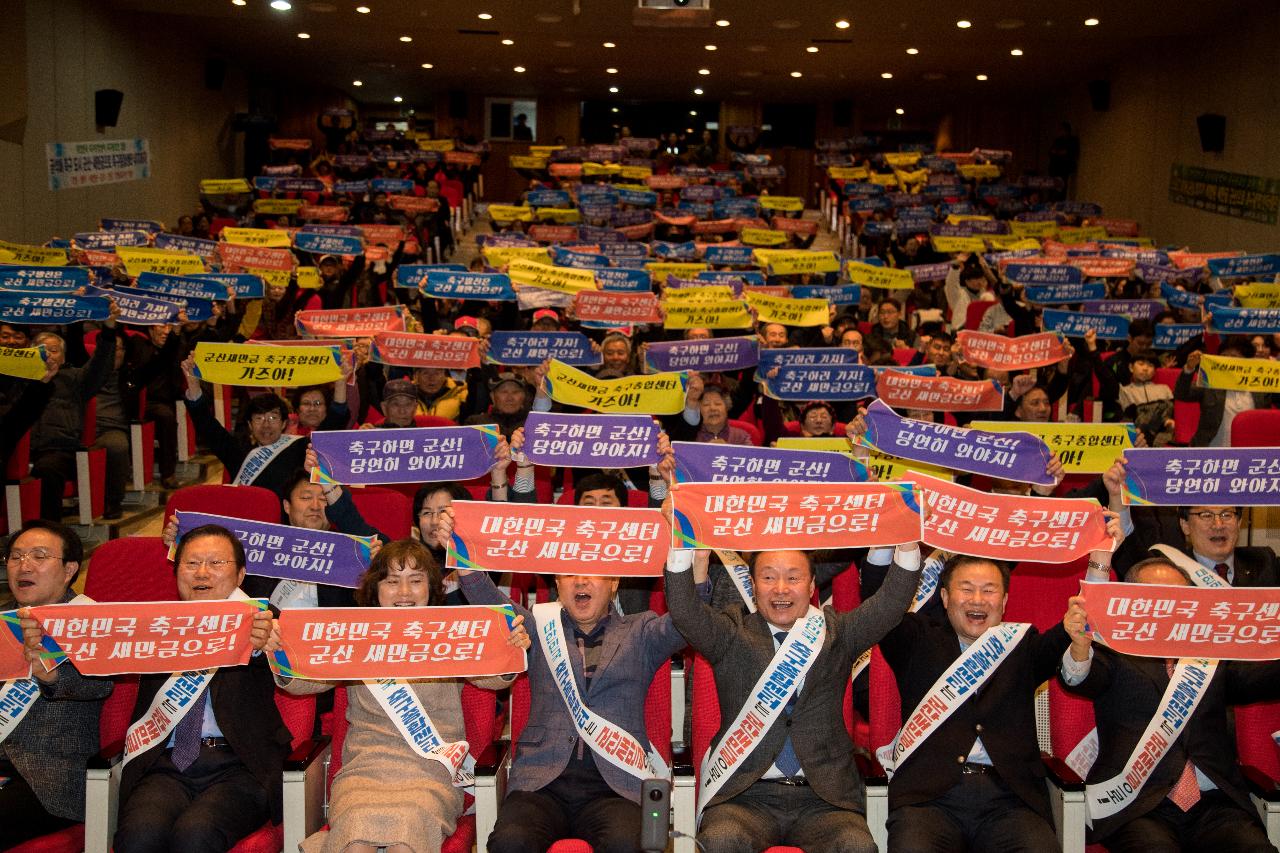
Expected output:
(845, 294)
(246, 285)
(298, 185)
(327, 244)
(198, 310)
(1188, 301)
(350, 187)
(43, 279)
(578, 260)
(628, 280)
(805, 357)
(832, 382)
(394, 186)
(750, 277)
(130, 225)
(1029, 274)
(528, 348)
(632, 251)
(1074, 324)
(449, 284)
(548, 198)
(699, 462)
(675, 251)
(412, 275)
(1245, 321)
(194, 245)
(108, 240)
(1245, 265)
(1174, 335)
(638, 198)
(1134, 309)
(137, 309)
(181, 285)
(728, 256)
(1056, 294)
(334, 230)
(21, 307)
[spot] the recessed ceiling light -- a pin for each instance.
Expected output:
(304, 35)
(912, 51)
(609, 44)
(1088, 22)
(363, 10)
(842, 24)
(613, 109)
(697, 91)
(693, 112)
(508, 42)
(613, 90)
(900, 111)
(796, 74)
(888, 75)
(281, 5)
(709, 46)
(704, 71)
(963, 24)
(982, 77)
(485, 16)
(519, 69)
(611, 71)
(427, 65)
(357, 82)
(238, 2)
(406, 38)
(811, 49)
(1017, 51)
(398, 99)
(722, 22)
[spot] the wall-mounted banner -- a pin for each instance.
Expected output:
(904, 390)
(20, 307)
(1170, 336)
(267, 367)
(712, 355)
(624, 280)
(244, 285)
(802, 516)
(1241, 266)
(327, 244)
(1239, 374)
(151, 636)
(137, 261)
(291, 553)
(1244, 321)
(789, 312)
(356, 643)
(350, 322)
(563, 279)
(1219, 623)
(1010, 527)
(1057, 294)
(406, 349)
(1083, 448)
(1040, 275)
(601, 306)
(728, 256)
(47, 279)
(23, 362)
(521, 349)
(829, 382)
(180, 285)
(1202, 476)
(998, 352)
(1018, 456)
(1074, 324)
(556, 539)
(868, 275)
(93, 164)
(591, 441)
(653, 394)
(702, 462)
(699, 314)
(408, 455)
(1134, 309)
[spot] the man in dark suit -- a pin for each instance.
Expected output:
(217, 777)
(1195, 798)
(44, 754)
(974, 780)
(798, 786)
(1209, 535)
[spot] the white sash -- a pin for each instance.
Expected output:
(952, 689)
(740, 574)
(260, 457)
(609, 741)
(18, 696)
(404, 708)
(765, 703)
(173, 701)
(1186, 688)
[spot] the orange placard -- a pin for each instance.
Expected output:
(803, 516)
(413, 203)
(607, 306)
(1221, 623)
(13, 662)
(407, 349)
(345, 643)
(557, 539)
(235, 258)
(938, 393)
(1096, 267)
(150, 636)
(1000, 352)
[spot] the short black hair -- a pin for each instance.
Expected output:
(959, 561)
(210, 530)
(299, 476)
(1141, 326)
(263, 403)
(1184, 512)
(755, 555)
(889, 300)
(1136, 569)
(456, 492)
(72, 547)
(597, 481)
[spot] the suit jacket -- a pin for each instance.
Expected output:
(245, 708)
(632, 650)
(1002, 712)
(1213, 403)
(739, 646)
(57, 737)
(1255, 565)
(1126, 692)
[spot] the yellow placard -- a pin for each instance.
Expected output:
(600, 169)
(889, 180)
(730, 314)
(500, 256)
(640, 188)
(510, 213)
(435, 144)
(559, 215)
(901, 159)
(1240, 374)
(636, 173)
(885, 468)
(710, 293)
(909, 179)
(795, 261)
(788, 311)
(1258, 295)
(652, 394)
(257, 366)
(38, 256)
(308, 278)
(1094, 232)
(978, 171)
(137, 261)
(1083, 448)
(277, 206)
(788, 204)
(275, 238)
(1009, 243)
(1043, 230)
(563, 279)
(763, 237)
(869, 275)
(958, 218)
(680, 269)
(848, 173)
(23, 362)
(1071, 236)
(518, 161)
(948, 245)
(543, 151)
(224, 186)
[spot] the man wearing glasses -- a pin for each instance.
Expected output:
(1211, 533)
(49, 722)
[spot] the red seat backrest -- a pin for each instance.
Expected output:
(1254, 744)
(387, 510)
(133, 568)
(903, 355)
(1256, 428)
(19, 462)
(1186, 419)
(1168, 376)
(751, 429)
(975, 312)
(89, 434)
(252, 503)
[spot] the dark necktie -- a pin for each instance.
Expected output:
(186, 736)
(1223, 571)
(787, 761)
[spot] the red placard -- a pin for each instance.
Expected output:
(804, 227)
(346, 643)
(236, 257)
(938, 393)
(462, 158)
(607, 306)
(350, 322)
(556, 539)
(999, 352)
(961, 520)
(715, 226)
(681, 219)
(1102, 267)
(1115, 227)
(151, 636)
(323, 212)
(98, 258)
(637, 232)
(289, 144)
(406, 349)
(13, 662)
(803, 516)
(1223, 623)
(1186, 260)
(565, 170)
(413, 203)
(665, 182)
(553, 233)
(382, 235)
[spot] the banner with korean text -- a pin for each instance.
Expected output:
(1228, 373)
(350, 322)
(267, 367)
(13, 660)
(1083, 448)
(653, 394)
(557, 539)
(610, 306)
(1202, 476)
(591, 441)
(711, 355)
(407, 455)
(23, 362)
(407, 349)
(904, 390)
(704, 462)
(790, 312)
(998, 352)
(521, 349)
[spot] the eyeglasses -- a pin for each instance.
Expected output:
(310, 404)
(267, 418)
(38, 556)
(1208, 516)
(216, 565)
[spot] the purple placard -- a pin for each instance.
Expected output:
(929, 272)
(1202, 476)
(715, 354)
(1017, 456)
(408, 455)
(591, 441)
(291, 553)
(1134, 309)
(699, 462)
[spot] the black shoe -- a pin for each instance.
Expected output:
(112, 513)
(171, 483)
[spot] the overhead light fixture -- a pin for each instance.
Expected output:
(613, 109)
(888, 75)
(704, 71)
(722, 22)
(508, 42)
(363, 10)
(900, 111)
(611, 71)
(238, 2)
(281, 5)
(406, 39)
(485, 16)
(912, 51)
(811, 49)
(609, 44)
(963, 24)
(357, 82)
(842, 24)
(519, 69)
(709, 47)
(697, 91)
(1088, 22)
(398, 99)
(796, 74)
(982, 77)
(1017, 51)
(304, 35)
(427, 65)
(613, 90)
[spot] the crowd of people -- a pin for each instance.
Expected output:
(975, 781)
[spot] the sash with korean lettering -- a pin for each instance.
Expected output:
(260, 457)
(952, 689)
(608, 740)
(779, 682)
(740, 573)
(410, 718)
(1187, 686)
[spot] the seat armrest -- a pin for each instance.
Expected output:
(1260, 784)
(869, 767)
(307, 752)
(488, 762)
(1060, 774)
(110, 756)
(682, 761)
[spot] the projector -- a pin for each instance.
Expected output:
(673, 13)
